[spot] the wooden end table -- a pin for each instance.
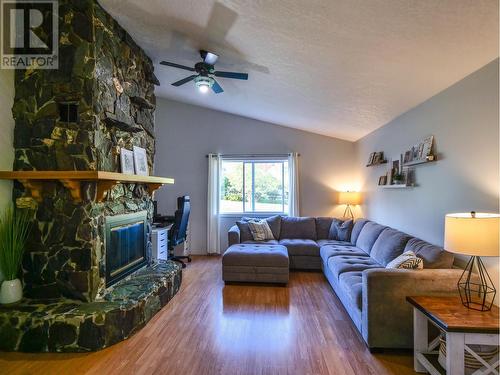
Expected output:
(462, 327)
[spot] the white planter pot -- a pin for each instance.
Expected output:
(11, 291)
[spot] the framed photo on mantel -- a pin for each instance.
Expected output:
(141, 161)
(127, 161)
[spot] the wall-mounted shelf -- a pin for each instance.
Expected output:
(33, 181)
(428, 159)
(379, 163)
(396, 186)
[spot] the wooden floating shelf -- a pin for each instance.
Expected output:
(396, 186)
(429, 159)
(33, 181)
(379, 163)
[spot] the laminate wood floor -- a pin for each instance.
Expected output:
(210, 328)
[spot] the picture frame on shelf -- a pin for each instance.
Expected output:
(427, 147)
(415, 151)
(371, 158)
(127, 161)
(378, 158)
(395, 166)
(407, 157)
(389, 177)
(420, 152)
(140, 161)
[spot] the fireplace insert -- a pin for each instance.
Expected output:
(126, 243)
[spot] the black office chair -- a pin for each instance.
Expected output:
(177, 234)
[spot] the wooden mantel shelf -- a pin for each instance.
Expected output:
(33, 180)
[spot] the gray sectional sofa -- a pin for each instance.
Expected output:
(373, 296)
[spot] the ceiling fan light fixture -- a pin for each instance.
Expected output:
(203, 83)
(204, 70)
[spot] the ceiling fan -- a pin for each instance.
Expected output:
(205, 70)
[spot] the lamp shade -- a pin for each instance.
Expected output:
(474, 234)
(350, 197)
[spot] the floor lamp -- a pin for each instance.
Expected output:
(474, 234)
(349, 198)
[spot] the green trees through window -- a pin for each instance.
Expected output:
(254, 186)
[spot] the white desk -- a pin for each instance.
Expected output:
(159, 238)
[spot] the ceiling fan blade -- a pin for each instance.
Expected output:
(184, 80)
(220, 22)
(177, 65)
(217, 88)
(231, 75)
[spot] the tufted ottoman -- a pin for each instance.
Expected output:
(261, 263)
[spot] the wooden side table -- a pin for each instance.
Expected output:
(463, 327)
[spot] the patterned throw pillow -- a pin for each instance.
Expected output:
(408, 260)
(260, 230)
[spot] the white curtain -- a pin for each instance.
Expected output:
(293, 197)
(213, 219)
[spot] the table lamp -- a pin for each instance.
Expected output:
(349, 198)
(476, 235)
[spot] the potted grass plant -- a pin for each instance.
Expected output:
(14, 230)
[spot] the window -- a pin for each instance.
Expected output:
(254, 186)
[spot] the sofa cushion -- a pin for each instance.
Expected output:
(298, 227)
(275, 225)
(433, 256)
(356, 229)
(331, 250)
(333, 242)
(269, 242)
(348, 263)
(323, 225)
(302, 247)
(389, 245)
(352, 285)
(340, 230)
(368, 236)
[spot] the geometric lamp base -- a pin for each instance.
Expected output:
(348, 212)
(476, 289)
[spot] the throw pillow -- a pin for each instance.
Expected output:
(245, 233)
(260, 230)
(408, 260)
(340, 230)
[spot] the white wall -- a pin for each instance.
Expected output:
(464, 121)
(6, 132)
(186, 133)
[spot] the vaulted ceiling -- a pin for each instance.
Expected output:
(341, 68)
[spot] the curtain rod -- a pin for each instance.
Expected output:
(253, 155)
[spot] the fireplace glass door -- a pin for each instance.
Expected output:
(125, 245)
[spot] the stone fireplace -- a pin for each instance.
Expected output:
(77, 118)
(87, 270)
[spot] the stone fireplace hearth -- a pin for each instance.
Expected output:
(77, 118)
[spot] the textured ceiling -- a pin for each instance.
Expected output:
(336, 67)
